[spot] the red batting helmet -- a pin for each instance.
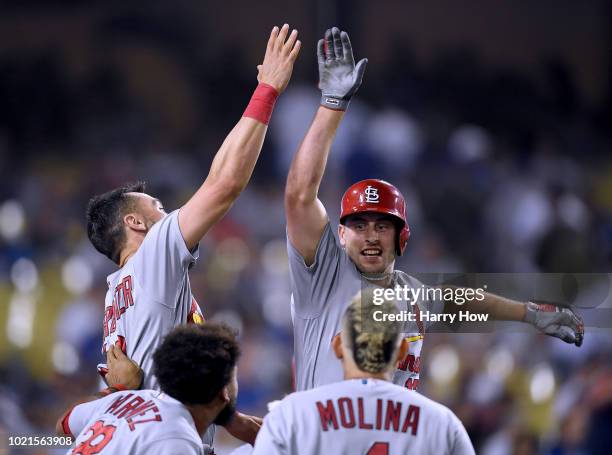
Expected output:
(374, 195)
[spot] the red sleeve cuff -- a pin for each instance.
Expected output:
(65, 425)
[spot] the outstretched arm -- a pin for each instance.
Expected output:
(339, 79)
(550, 318)
(233, 164)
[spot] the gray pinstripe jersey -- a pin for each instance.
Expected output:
(134, 422)
(320, 294)
(149, 296)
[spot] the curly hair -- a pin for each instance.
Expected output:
(194, 362)
(104, 216)
(373, 343)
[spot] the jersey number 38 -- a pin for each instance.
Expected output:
(100, 437)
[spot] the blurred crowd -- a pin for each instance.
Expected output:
(502, 173)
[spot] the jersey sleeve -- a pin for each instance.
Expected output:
(461, 444)
(273, 436)
(81, 414)
(310, 284)
(163, 259)
(174, 446)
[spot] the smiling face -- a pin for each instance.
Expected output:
(369, 240)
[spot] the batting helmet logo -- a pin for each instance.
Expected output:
(373, 195)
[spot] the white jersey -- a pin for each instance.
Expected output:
(149, 296)
(361, 417)
(321, 294)
(134, 422)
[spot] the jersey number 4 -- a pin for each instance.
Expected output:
(379, 448)
(100, 437)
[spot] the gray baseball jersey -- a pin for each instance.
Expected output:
(361, 417)
(134, 422)
(149, 296)
(320, 295)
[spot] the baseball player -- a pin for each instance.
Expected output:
(364, 414)
(326, 272)
(151, 293)
(195, 366)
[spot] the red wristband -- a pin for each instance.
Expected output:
(262, 103)
(119, 387)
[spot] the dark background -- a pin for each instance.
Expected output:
(493, 118)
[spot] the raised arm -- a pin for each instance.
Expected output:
(339, 79)
(233, 164)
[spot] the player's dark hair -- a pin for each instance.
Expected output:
(194, 362)
(105, 219)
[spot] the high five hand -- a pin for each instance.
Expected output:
(281, 53)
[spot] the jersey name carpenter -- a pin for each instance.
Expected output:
(122, 301)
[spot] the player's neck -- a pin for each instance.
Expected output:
(203, 416)
(383, 279)
(358, 374)
(380, 279)
(124, 257)
(127, 252)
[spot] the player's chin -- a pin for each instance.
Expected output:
(372, 264)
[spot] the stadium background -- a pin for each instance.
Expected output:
(493, 118)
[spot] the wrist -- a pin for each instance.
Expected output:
(136, 384)
(262, 103)
(530, 312)
(336, 104)
(111, 389)
(523, 312)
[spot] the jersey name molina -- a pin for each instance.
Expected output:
(361, 416)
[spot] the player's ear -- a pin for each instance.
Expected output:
(341, 230)
(224, 395)
(135, 222)
(337, 346)
(402, 350)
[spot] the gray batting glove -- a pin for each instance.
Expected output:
(339, 78)
(557, 321)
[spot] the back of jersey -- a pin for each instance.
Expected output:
(134, 422)
(361, 417)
